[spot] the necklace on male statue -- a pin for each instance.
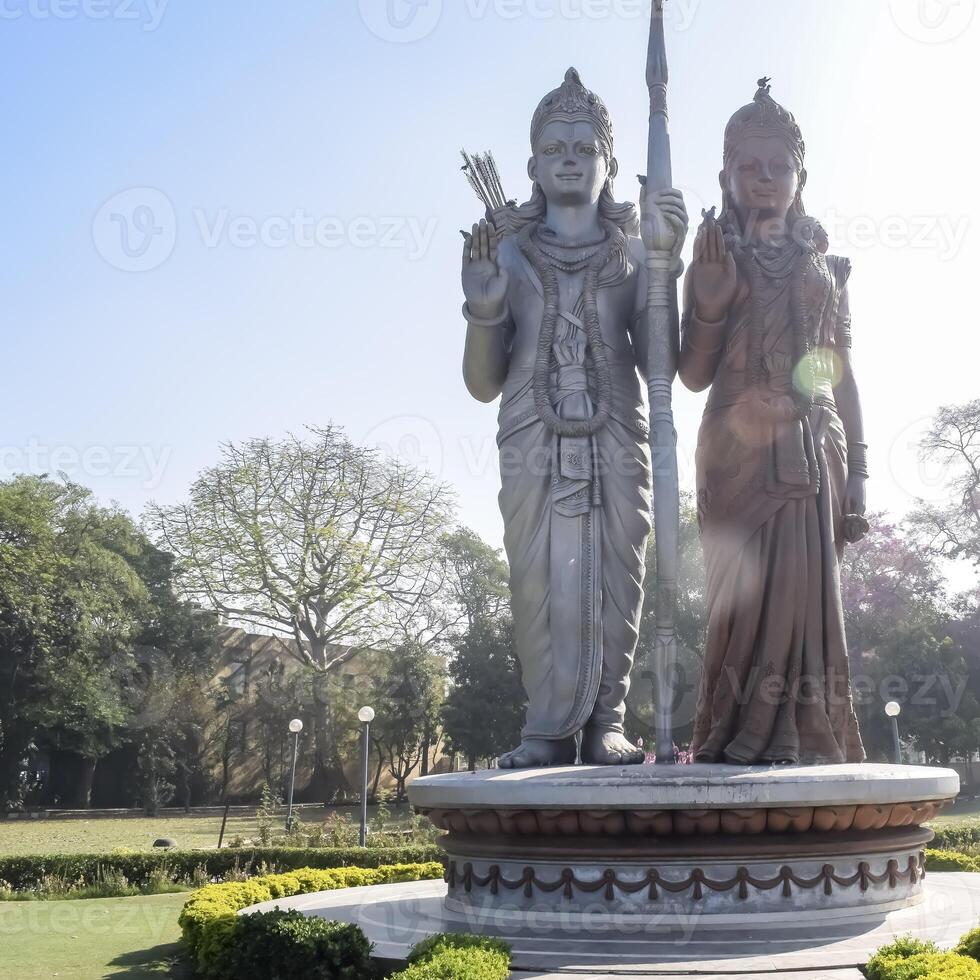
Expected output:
(569, 258)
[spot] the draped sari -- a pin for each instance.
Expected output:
(771, 481)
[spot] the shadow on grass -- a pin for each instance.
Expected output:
(166, 960)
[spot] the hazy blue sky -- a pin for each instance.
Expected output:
(290, 252)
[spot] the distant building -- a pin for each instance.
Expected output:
(257, 673)
(236, 733)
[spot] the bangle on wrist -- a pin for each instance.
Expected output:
(692, 344)
(480, 321)
(720, 322)
(705, 337)
(857, 459)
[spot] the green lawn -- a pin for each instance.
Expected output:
(134, 938)
(77, 836)
(106, 834)
(963, 811)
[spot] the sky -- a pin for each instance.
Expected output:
(231, 218)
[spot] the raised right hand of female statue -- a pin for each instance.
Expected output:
(484, 280)
(714, 277)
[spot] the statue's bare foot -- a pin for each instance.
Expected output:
(601, 747)
(534, 752)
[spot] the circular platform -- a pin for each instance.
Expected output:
(729, 878)
(726, 841)
(394, 917)
(656, 801)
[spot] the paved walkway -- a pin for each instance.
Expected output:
(397, 916)
(846, 973)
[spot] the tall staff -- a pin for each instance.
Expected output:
(662, 330)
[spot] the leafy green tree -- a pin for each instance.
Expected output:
(888, 580)
(168, 707)
(157, 769)
(406, 701)
(484, 710)
(86, 604)
(476, 579)
(70, 608)
(924, 670)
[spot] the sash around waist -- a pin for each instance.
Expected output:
(732, 387)
(618, 363)
(517, 408)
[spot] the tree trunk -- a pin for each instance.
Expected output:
(328, 782)
(183, 792)
(80, 794)
(13, 754)
(377, 776)
(225, 775)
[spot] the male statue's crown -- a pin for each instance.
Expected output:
(573, 102)
(764, 116)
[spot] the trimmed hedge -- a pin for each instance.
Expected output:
(459, 964)
(950, 861)
(213, 930)
(427, 948)
(969, 945)
(956, 837)
(902, 949)
(28, 871)
(449, 956)
(912, 959)
(927, 966)
(284, 945)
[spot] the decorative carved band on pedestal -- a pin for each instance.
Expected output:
(661, 823)
(697, 880)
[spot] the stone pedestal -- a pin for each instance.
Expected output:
(569, 844)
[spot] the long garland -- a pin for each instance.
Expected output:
(547, 273)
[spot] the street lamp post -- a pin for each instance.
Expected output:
(893, 709)
(295, 727)
(365, 716)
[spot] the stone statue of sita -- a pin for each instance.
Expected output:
(556, 292)
(781, 458)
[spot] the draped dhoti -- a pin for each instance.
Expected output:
(576, 516)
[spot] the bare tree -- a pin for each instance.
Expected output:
(314, 538)
(953, 441)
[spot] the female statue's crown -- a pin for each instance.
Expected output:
(764, 116)
(573, 102)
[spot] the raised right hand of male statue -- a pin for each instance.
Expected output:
(484, 280)
(714, 276)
